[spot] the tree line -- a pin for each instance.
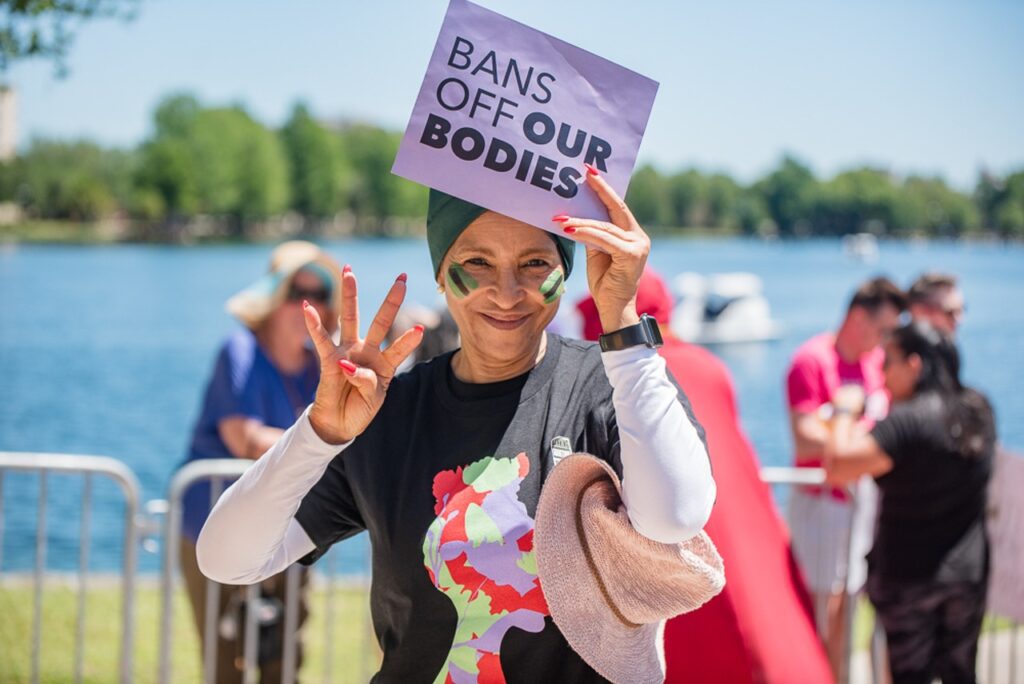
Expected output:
(220, 167)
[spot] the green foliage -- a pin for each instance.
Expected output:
(856, 201)
(790, 193)
(649, 199)
(377, 193)
(929, 205)
(320, 177)
(211, 161)
(39, 28)
(1001, 202)
(220, 164)
(68, 180)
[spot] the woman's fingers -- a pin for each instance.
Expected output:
(386, 314)
(400, 349)
(349, 308)
(364, 380)
(608, 241)
(616, 206)
(321, 339)
(570, 226)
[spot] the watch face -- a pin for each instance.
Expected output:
(652, 332)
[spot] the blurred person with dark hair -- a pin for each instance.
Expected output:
(823, 519)
(936, 298)
(265, 375)
(932, 458)
(761, 627)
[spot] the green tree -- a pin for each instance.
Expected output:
(928, 205)
(319, 177)
(70, 180)
(376, 192)
(855, 201)
(216, 161)
(687, 198)
(790, 195)
(648, 198)
(40, 28)
(1001, 202)
(723, 197)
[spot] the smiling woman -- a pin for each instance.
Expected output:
(444, 464)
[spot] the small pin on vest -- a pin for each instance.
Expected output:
(560, 448)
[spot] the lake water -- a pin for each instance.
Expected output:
(105, 350)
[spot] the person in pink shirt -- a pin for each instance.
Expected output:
(830, 533)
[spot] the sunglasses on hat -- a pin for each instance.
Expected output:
(319, 294)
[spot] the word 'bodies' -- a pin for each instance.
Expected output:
(507, 116)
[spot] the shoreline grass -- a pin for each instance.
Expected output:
(354, 654)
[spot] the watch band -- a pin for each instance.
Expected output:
(645, 333)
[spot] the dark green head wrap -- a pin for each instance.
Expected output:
(448, 216)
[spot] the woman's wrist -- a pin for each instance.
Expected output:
(321, 430)
(618, 319)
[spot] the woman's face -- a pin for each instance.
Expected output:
(503, 280)
(901, 372)
(288, 319)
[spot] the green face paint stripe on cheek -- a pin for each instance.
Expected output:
(461, 282)
(553, 287)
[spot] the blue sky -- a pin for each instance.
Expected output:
(928, 87)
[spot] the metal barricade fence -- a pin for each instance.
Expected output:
(1001, 650)
(820, 554)
(1001, 643)
(88, 467)
(218, 472)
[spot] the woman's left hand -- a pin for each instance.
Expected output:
(616, 254)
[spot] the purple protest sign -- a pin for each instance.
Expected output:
(507, 116)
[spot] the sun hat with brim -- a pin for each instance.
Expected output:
(448, 216)
(256, 302)
(609, 588)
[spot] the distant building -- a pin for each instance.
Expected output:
(8, 122)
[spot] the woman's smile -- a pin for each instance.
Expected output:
(505, 321)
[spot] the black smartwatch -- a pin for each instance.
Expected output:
(646, 332)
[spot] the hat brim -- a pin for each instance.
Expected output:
(617, 650)
(252, 305)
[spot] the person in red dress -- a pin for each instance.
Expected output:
(761, 627)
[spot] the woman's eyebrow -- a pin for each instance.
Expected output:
(487, 252)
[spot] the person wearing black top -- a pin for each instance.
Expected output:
(443, 465)
(932, 458)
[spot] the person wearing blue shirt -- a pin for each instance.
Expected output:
(264, 377)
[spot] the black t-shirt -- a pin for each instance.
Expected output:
(446, 480)
(931, 521)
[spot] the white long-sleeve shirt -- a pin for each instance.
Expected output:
(668, 489)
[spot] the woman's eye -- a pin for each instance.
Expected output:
(537, 263)
(475, 261)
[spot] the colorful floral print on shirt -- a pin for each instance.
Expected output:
(479, 553)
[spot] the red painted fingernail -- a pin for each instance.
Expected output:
(591, 171)
(569, 229)
(347, 269)
(403, 277)
(347, 366)
(561, 218)
(305, 304)
(418, 328)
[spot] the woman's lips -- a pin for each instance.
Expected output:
(505, 323)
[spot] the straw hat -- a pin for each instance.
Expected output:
(252, 305)
(609, 588)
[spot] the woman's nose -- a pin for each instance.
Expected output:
(508, 291)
